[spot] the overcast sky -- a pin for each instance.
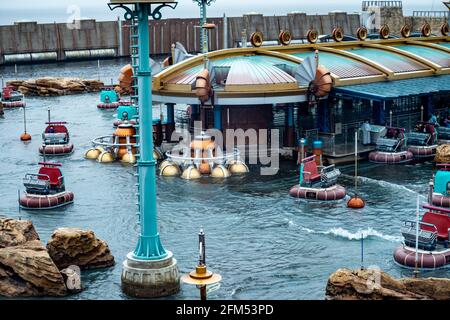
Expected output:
(61, 10)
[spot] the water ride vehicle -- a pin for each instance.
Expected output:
(121, 145)
(46, 189)
(109, 98)
(422, 142)
(11, 98)
(56, 140)
(202, 156)
(126, 112)
(439, 194)
(318, 182)
(443, 135)
(433, 240)
(390, 148)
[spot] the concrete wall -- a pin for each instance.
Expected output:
(297, 23)
(30, 37)
(394, 18)
(57, 38)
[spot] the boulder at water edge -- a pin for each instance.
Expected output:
(15, 232)
(26, 269)
(72, 246)
(442, 154)
(373, 284)
(50, 86)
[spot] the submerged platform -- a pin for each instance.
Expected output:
(345, 153)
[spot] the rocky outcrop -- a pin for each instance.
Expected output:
(72, 246)
(16, 232)
(372, 284)
(442, 154)
(27, 270)
(55, 86)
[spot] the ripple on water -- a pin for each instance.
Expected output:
(265, 244)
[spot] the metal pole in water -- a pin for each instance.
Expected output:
(15, 70)
(421, 113)
(48, 113)
(18, 194)
(390, 118)
(362, 251)
(201, 277)
(416, 260)
(98, 69)
(24, 121)
(356, 161)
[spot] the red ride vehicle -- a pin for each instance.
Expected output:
(56, 140)
(46, 189)
(433, 245)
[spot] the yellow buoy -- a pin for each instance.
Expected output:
(238, 167)
(191, 172)
(105, 157)
(220, 172)
(157, 155)
(92, 154)
(164, 163)
(170, 170)
(128, 158)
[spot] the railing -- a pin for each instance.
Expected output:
(394, 4)
(431, 14)
(218, 159)
(408, 122)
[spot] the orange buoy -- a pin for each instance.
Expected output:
(25, 136)
(356, 202)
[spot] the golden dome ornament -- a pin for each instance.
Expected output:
(201, 276)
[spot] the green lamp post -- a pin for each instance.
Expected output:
(203, 31)
(150, 270)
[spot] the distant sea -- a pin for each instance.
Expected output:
(186, 9)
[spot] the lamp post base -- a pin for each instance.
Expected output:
(150, 278)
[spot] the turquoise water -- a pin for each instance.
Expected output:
(265, 244)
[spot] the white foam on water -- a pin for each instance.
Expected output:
(346, 234)
(364, 233)
(385, 184)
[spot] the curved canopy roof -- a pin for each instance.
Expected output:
(266, 75)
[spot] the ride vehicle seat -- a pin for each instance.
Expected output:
(310, 172)
(56, 134)
(440, 221)
(54, 175)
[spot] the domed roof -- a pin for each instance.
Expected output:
(266, 75)
(240, 73)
